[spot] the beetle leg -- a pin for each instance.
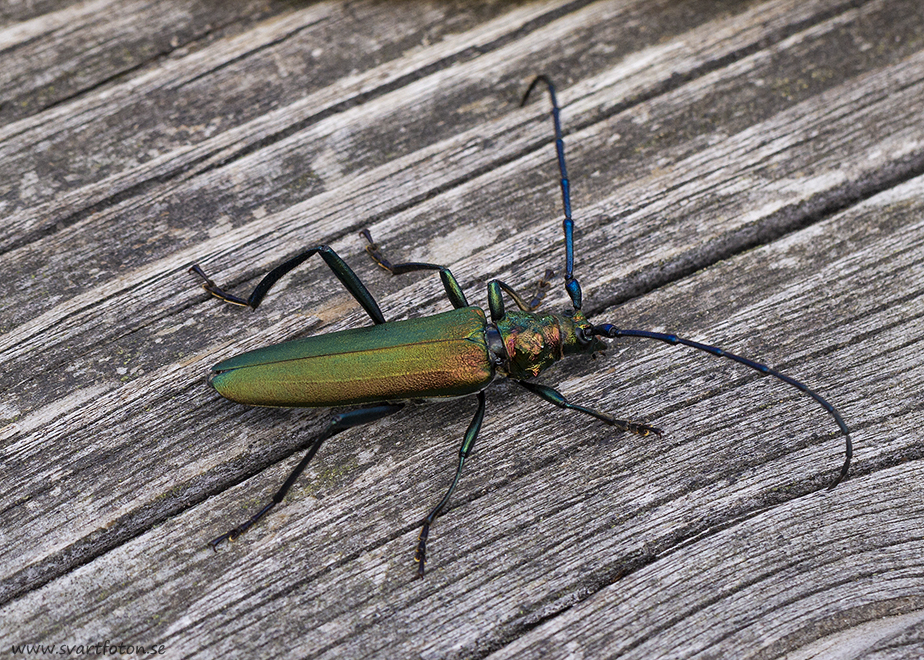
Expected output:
(496, 301)
(496, 286)
(555, 397)
(421, 555)
(496, 306)
(450, 284)
(340, 268)
(338, 423)
(542, 287)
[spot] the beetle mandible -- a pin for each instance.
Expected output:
(452, 354)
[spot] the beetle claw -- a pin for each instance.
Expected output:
(644, 430)
(214, 543)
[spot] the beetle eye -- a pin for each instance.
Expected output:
(585, 334)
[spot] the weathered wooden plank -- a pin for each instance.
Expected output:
(224, 242)
(81, 46)
(670, 174)
(723, 507)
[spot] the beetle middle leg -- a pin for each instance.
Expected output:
(337, 424)
(450, 284)
(467, 444)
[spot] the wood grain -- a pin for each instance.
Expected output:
(746, 174)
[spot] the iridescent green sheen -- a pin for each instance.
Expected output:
(445, 355)
(534, 342)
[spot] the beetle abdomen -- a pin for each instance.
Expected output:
(445, 355)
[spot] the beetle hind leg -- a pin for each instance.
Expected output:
(338, 266)
(338, 423)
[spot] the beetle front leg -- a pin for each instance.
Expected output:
(339, 267)
(496, 289)
(338, 423)
(542, 287)
(467, 444)
(556, 398)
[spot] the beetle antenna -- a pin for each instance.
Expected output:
(571, 285)
(612, 332)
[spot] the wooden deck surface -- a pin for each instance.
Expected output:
(748, 174)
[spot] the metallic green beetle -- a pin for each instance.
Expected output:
(453, 354)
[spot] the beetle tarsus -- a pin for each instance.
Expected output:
(373, 251)
(214, 543)
(213, 288)
(227, 536)
(643, 429)
(637, 428)
(238, 531)
(421, 555)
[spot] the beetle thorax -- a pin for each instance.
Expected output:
(534, 342)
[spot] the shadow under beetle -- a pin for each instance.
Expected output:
(451, 354)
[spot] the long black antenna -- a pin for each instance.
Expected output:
(611, 331)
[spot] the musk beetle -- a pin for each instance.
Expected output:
(456, 353)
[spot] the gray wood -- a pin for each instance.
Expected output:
(748, 175)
